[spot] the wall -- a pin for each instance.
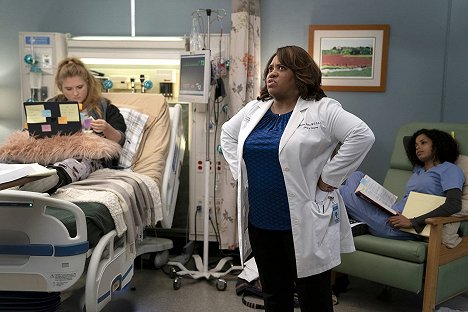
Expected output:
(427, 77)
(427, 69)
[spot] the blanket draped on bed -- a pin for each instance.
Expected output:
(20, 147)
(133, 199)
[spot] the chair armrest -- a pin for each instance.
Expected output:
(444, 220)
(438, 253)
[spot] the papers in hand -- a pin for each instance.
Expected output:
(376, 194)
(13, 172)
(418, 204)
(250, 271)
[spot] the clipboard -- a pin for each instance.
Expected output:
(418, 204)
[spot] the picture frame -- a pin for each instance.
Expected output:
(351, 57)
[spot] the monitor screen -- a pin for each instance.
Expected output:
(195, 76)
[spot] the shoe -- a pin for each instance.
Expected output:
(41, 185)
(334, 299)
(341, 284)
(358, 228)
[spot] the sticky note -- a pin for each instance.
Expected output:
(46, 128)
(80, 106)
(46, 113)
(25, 126)
(70, 111)
(63, 120)
(34, 114)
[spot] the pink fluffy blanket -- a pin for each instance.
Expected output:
(22, 148)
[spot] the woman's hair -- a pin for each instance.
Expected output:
(444, 146)
(74, 67)
(306, 73)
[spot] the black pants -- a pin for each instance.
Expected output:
(274, 255)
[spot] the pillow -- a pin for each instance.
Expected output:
(20, 147)
(462, 162)
(150, 158)
(450, 236)
(135, 122)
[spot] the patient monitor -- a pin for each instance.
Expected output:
(195, 76)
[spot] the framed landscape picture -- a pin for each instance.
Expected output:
(351, 57)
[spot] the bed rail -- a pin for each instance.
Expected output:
(36, 250)
(170, 182)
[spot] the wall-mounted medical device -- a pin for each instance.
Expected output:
(40, 52)
(195, 76)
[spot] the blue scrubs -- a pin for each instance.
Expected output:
(436, 181)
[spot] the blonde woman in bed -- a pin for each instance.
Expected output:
(76, 83)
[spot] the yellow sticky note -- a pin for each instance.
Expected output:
(25, 125)
(34, 114)
(63, 120)
(80, 106)
(70, 111)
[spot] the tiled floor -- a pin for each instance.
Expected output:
(152, 290)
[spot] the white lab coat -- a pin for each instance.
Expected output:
(311, 135)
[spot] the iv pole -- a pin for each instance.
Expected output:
(202, 265)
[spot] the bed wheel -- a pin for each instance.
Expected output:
(158, 259)
(172, 272)
(177, 283)
(221, 284)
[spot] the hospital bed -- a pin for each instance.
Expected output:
(41, 253)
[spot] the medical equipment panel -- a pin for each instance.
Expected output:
(40, 53)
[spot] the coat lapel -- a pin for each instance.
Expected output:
(296, 118)
(254, 120)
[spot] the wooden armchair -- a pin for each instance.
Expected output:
(440, 272)
(439, 255)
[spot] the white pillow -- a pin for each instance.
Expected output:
(450, 236)
(135, 122)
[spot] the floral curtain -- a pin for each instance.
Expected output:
(244, 72)
(244, 86)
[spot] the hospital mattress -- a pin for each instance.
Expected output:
(98, 220)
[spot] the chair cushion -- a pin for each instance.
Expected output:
(412, 251)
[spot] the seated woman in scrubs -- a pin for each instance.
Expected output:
(432, 154)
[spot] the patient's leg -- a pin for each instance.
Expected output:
(361, 210)
(68, 171)
(78, 169)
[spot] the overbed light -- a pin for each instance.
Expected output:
(127, 38)
(121, 61)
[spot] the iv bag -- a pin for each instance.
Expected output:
(196, 38)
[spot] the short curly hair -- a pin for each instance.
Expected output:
(444, 146)
(307, 74)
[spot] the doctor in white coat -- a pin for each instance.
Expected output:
(279, 149)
